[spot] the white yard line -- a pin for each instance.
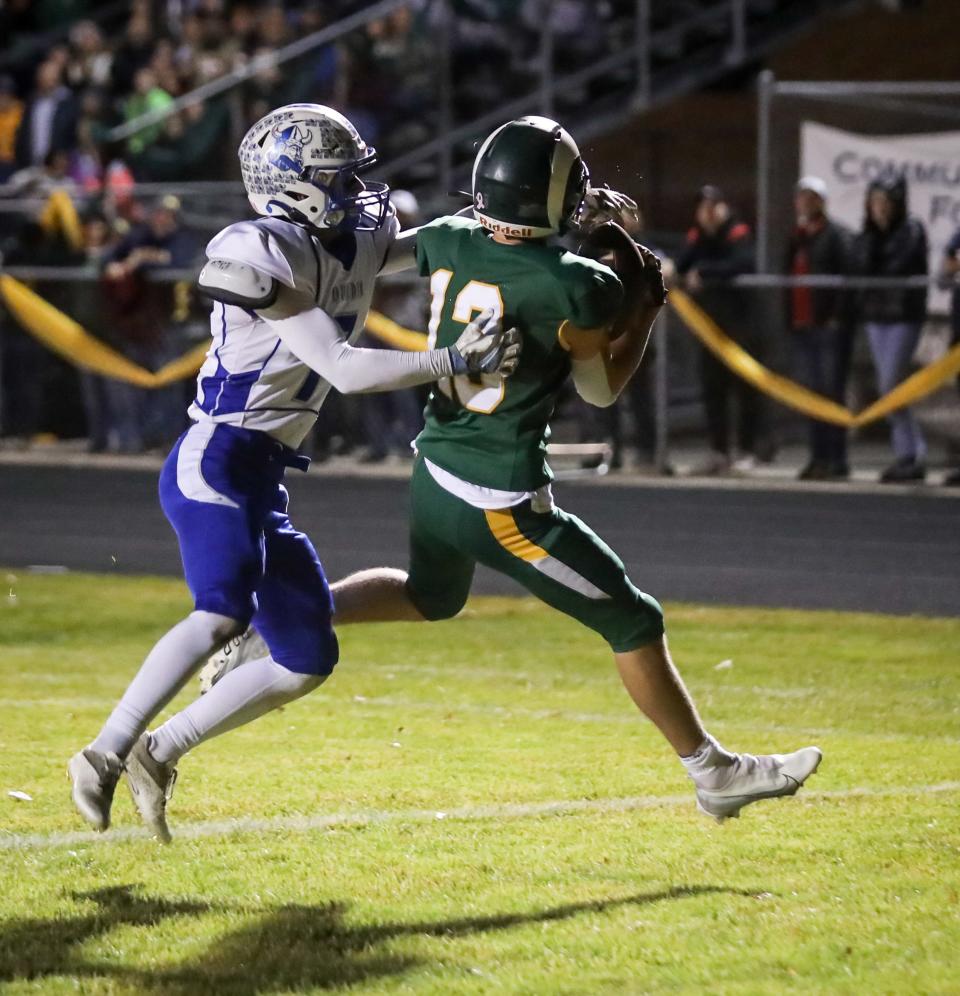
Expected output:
(371, 817)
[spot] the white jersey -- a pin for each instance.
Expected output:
(250, 378)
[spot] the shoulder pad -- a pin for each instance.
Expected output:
(236, 283)
(273, 246)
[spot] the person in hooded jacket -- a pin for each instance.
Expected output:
(894, 244)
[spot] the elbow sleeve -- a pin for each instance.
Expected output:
(591, 381)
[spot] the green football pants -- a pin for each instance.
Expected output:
(555, 556)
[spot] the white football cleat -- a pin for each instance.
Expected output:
(752, 778)
(248, 646)
(94, 777)
(151, 785)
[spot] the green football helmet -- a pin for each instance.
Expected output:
(529, 180)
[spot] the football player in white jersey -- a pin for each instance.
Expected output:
(290, 291)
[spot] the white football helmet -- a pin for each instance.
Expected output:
(301, 161)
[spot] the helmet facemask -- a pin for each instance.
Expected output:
(574, 197)
(353, 204)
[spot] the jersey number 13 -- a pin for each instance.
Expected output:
(478, 394)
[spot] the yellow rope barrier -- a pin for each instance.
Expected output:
(795, 396)
(183, 367)
(59, 215)
(744, 365)
(916, 386)
(395, 335)
(70, 340)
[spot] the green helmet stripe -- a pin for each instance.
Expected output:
(483, 151)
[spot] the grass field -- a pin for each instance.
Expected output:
(473, 807)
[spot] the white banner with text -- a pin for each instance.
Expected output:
(847, 162)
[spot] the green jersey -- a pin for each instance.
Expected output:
(486, 430)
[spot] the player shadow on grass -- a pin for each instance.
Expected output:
(287, 948)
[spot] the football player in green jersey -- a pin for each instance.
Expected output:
(481, 483)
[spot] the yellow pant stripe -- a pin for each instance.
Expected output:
(505, 532)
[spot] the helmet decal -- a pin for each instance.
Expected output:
(286, 153)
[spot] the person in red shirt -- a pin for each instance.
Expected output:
(819, 320)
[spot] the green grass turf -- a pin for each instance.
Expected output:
(512, 704)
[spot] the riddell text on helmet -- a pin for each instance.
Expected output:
(505, 228)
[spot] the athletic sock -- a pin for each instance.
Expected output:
(174, 658)
(237, 698)
(709, 765)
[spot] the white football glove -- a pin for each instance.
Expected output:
(484, 348)
(601, 204)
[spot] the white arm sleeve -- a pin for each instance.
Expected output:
(316, 339)
(590, 380)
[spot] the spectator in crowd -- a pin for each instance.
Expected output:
(183, 150)
(98, 241)
(147, 96)
(326, 73)
(49, 120)
(87, 161)
(41, 181)
(134, 52)
(11, 113)
(720, 247)
(821, 332)
(91, 61)
(163, 64)
(266, 89)
(402, 90)
(894, 244)
(141, 310)
(950, 275)
(37, 387)
(274, 30)
(241, 34)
